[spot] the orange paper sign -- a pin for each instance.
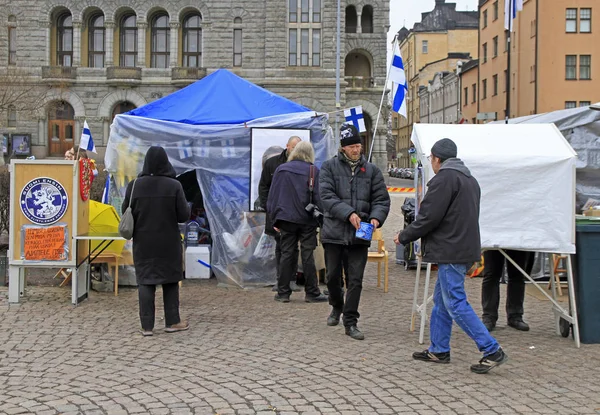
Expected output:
(44, 244)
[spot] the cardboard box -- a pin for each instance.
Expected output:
(591, 212)
(197, 262)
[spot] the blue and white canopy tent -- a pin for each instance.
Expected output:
(206, 127)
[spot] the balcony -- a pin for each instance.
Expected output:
(59, 74)
(359, 83)
(182, 76)
(123, 76)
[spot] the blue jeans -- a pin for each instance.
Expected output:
(450, 303)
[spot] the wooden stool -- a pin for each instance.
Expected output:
(65, 273)
(112, 260)
(557, 271)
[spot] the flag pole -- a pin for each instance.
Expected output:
(383, 95)
(509, 41)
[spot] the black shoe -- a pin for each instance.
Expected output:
(518, 324)
(489, 362)
(428, 356)
(334, 317)
(318, 299)
(489, 324)
(294, 287)
(282, 298)
(355, 333)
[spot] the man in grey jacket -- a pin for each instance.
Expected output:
(448, 225)
(352, 191)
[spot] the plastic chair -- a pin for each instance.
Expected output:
(380, 256)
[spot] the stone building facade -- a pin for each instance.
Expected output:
(439, 101)
(93, 59)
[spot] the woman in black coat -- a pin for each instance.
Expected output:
(158, 204)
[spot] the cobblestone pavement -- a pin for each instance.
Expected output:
(246, 354)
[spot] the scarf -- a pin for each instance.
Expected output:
(353, 163)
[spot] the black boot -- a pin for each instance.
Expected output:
(355, 333)
(334, 317)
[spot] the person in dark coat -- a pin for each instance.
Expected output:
(158, 204)
(448, 225)
(352, 191)
(287, 205)
(264, 187)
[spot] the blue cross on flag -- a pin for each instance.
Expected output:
(356, 118)
(185, 149)
(87, 142)
(399, 87)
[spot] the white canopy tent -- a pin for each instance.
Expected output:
(527, 177)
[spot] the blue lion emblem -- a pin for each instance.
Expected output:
(44, 201)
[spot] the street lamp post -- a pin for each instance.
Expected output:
(337, 75)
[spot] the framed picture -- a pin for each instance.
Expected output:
(4, 144)
(21, 144)
(264, 144)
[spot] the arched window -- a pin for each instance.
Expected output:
(366, 19)
(160, 42)
(351, 19)
(64, 42)
(121, 108)
(237, 42)
(192, 40)
(128, 41)
(12, 40)
(96, 41)
(12, 116)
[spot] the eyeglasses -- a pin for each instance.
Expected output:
(428, 158)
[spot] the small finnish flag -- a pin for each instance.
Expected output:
(355, 117)
(204, 149)
(185, 149)
(228, 148)
(87, 142)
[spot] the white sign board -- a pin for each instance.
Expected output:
(527, 177)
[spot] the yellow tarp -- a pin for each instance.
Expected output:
(104, 219)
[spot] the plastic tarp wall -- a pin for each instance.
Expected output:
(581, 128)
(220, 154)
(527, 179)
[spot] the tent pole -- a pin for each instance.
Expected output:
(337, 78)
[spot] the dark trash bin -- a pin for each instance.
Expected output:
(587, 282)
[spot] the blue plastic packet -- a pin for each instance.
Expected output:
(365, 231)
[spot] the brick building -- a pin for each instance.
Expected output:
(94, 59)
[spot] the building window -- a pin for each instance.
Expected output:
(571, 21)
(585, 103)
(160, 42)
(366, 19)
(293, 12)
(506, 45)
(316, 47)
(306, 37)
(570, 104)
(121, 108)
(96, 42)
(474, 93)
(351, 19)
(466, 97)
(65, 40)
(505, 80)
(585, 20)
(585, 67)
(192, 41)
(571, 63)
(316, 11)
(533, 73)
(237, 47)
(12, 117)
(495, 81)
(495, 46)
(533, 27)
(425, 46)
(128, 41)
(304, 16)
(12, 45)
(293, 47)
(485, 19)
(484, 89)
(495, 11)
(484, 52)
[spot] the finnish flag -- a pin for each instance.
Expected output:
(185, 149)
(511, 7)
(355, 117)
(204, 149)
(399, 87)
(228, 148)
(87, 142)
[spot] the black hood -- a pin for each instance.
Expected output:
(157, 163)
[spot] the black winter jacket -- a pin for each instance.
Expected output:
(264, 185)
(158, 204)
(343, 193)
(289, 194)
(448, 219)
